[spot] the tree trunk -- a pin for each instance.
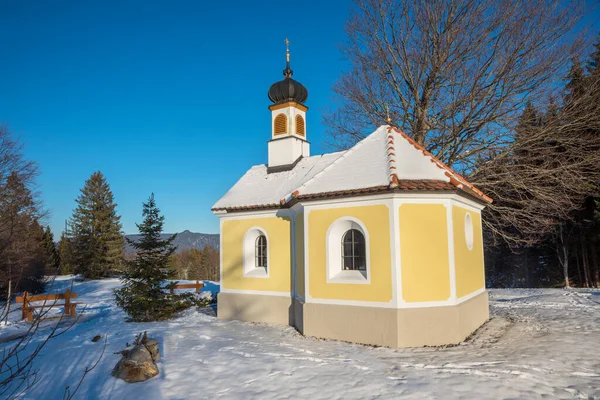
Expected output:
(565, 256)
(580, 279)
(586, 266)
(8, 301)
(596, 270)
(566, 264)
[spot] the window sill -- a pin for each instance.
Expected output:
(349, 276)
(257, 272)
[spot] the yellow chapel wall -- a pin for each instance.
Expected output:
(376, 219)
(300, 254)
(278, 231)
(424, 256)
(470, 272)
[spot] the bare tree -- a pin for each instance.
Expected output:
(454, 74)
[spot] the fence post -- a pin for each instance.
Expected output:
(67, 302)
(25, 309)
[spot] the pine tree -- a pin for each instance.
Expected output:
(97, 238)
(594, 61)
(20, 238)
(143, 294)
(52, 257)
(575, 89)
(65, 251)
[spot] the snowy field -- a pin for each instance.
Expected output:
(540, 343)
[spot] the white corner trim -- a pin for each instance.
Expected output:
(306, 255)
(221, 252)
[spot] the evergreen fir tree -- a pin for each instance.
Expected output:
(52, 258)
(21, 244)
(143, 294)
(97, 238)
(575, 88)
(594, 61)
(65, 251)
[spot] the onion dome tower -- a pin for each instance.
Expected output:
(288, 143)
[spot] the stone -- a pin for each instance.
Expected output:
(138, 364)
(96, 338)
(152, 346)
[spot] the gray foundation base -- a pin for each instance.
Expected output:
(405, 327)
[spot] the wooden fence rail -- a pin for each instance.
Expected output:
(28, 308)
(198, 285)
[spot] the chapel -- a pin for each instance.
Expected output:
(380, 244)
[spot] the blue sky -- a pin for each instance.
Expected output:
(163, 97)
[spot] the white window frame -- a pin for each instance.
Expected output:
(249, 254)
(469, 231)
(335, 271)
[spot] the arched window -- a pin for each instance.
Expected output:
(256, 253)
(347, 252)
(260, 252)
(300, 126)
(280, 124)
(353, 251)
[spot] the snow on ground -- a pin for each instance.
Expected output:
(540, 343)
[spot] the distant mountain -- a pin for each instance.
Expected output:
(185, 240)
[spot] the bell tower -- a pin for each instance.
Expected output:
(288, 143)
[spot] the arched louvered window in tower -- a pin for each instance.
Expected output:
(280, 125)
(300, 126)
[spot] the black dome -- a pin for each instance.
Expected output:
(288, 89)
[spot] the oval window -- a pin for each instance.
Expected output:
(469, 231)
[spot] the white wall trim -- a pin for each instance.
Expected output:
(390, 304)
(378, 304)
(396, 255)
(257, 292)
(409, 197)
(451, 255)
(468, 204)
(470, 295)
(275, 212)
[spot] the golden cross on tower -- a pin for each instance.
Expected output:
(287, 49)
(387, 111)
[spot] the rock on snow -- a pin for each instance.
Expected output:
(539, 343)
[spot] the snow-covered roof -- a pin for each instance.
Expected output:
(386, 160)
